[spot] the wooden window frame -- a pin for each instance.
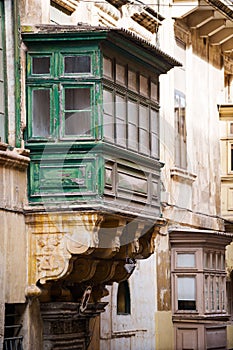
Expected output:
(180, 132)
(57, 80)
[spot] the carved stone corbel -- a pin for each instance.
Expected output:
(55, 241)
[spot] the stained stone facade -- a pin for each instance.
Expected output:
(111, 230)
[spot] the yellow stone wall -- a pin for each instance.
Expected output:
(164, 333)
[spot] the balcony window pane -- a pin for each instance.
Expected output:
(77, 111)
(143, 85)
(41, 113)
(132, 137)
(77, 99)
(144, 117)
(185, 260)
(108, 115)
(108, 67)
(186, 293)
(144, 129)
(206, 293)
(77, 64)
(154, 91)
(132, 80)
(77, 123)
(132, 112)
(120, 121)
(120, 73)
(41, 65)
(132, 125)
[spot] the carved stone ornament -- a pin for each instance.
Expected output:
(55, 239)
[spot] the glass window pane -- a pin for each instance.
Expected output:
(120, 120)
(154, 91)
(132, 112)
(186, 293)
(154, 124)
(109, 127)
(41, 65)
(108, 102)
(144, 89)
(108, 67)
(120, 73)
(108, 115)
(77, 64)
(144, 117)
(120, 132)
(41, 113)
(78, 123)
(77, 99)
(132, 80)
(132, 137)
(154, 145)
(186, 288)
(120, 107)
(231, 128)
(144, 141)
(186, 260)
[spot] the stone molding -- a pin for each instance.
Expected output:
(74, 248)
(13, 158)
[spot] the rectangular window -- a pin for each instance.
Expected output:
(108, 106)
(120, 120)
(180, 131)
(77, 64)
(186, 260)
(41, 65)
(132, 80)
(41, 113)
(231, 157)
(77, 111)
(154, 127)
(144, 128)
(120, 74)
(107, 67)
(132, 125)
(186, 291)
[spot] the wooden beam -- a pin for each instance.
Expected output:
(199, 18)
(221, 36)
(228, 45)
(212, 27)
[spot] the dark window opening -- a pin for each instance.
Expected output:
(77, 64)
(123, 299)
(231, 157)
(13, 340)
(41, 65)
(186, 305)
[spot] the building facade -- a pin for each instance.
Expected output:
(80, 155)
(109, 127)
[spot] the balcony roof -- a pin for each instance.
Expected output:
(121, 38)
(212, 19)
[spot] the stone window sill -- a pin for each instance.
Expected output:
(182, 175)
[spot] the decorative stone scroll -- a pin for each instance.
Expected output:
(55, 239)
